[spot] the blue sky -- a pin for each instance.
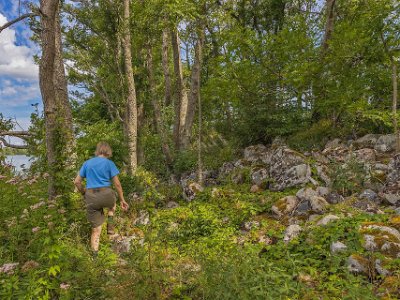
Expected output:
(19, 80)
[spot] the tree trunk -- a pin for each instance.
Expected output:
(63, 105)
(330, 22)
(181, 102)
(130, 122)
(165, 65)
(47, 70)
(157, 111)
(186, 128)
(394, 109)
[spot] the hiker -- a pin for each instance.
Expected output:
(99, 171)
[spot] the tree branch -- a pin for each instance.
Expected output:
(7, 144)
(8, 24)
(15, 133)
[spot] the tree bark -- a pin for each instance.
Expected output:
(181, 102)
(165, 65)
(186, 128)
(330, 23)
(47, 70)
(131, 114)
(394, 102)
(63, 105)
(157, 111)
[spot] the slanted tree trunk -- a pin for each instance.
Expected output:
(165, 65)
(131, 115)
(181, 101)
(330, 23)
(157, 110)
(186, 128)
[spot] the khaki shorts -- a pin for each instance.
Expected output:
(96, 200)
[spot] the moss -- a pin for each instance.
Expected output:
(390, 287)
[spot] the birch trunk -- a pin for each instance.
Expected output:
(130, 122)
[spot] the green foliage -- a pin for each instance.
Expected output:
(349, 178)
(101, 131)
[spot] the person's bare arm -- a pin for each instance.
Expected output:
(78, 183)
(118, 187)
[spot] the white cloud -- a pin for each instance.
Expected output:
(15, 60)
(18, 93)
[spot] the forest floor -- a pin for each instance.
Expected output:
(223, 245)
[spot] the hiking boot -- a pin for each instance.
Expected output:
(110, 228)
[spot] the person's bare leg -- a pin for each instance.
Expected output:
(95, 238)
(110, 220)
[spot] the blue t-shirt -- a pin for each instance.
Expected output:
(98, 172)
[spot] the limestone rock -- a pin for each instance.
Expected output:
(367, 141)
(259, 176)
(327, 219)
(142, 219)
(287, 169)
(381, 270)
(334, 198)
(365, 155)
(254, 153)
(369, 195)
(391, 199)
(385, 143)
(322, 191)
(334, 143)
(357, 264)
(305, 194)
(285, 205)
(191, 190)
(318, 204)
(291, 232)
(337, 247)
(381, 238)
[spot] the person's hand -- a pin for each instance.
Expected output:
(124, 205)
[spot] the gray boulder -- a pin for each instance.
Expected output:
(369, 195)
(318, 204)
(259, 176)
(334, 198)
(327, 219)
(386, 143)
(305, 194)
(391, 199)
(367, 141)
(322, 191)
(357, 264)
(337, 247)
(255, 153)
(285, 206)
(291, 232)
